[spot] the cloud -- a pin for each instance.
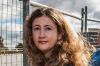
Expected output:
(11, 26)
(12, 43)
(73, 6)
(97, 15)
(12, 35)
(6, 12)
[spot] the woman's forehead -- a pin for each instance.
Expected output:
(43, 20)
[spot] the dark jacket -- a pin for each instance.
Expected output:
(95, 60)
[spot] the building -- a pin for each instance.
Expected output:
(94, 30)
(92, 36)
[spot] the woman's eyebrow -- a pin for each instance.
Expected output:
(35, 25)
(49, 26)
(44, 26)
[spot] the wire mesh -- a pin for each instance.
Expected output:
(11, 33)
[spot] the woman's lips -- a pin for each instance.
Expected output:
(42, 42)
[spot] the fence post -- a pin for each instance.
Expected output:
(85, 18)
(25, 13)
(82, 19)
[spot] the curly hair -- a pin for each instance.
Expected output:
(70, 50)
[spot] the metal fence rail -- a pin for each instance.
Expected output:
(11, 31)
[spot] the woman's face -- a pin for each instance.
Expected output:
(45, 33)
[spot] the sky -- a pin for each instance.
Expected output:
(11, 22)
(74, 7)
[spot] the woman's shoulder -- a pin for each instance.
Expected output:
(95, 61)
(97, 53)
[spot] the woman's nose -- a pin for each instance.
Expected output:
(42, 34)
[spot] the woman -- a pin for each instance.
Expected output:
(51, 41)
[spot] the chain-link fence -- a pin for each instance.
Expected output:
(11, 30)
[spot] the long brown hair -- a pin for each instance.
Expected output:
(69, 50)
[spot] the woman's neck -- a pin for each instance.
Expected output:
(47, 54)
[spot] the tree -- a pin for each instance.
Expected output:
(1, 42)
(19, 46)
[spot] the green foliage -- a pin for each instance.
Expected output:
(19, 46)
(1, 42)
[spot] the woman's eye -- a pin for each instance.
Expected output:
(48, 28)
(36, 28)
